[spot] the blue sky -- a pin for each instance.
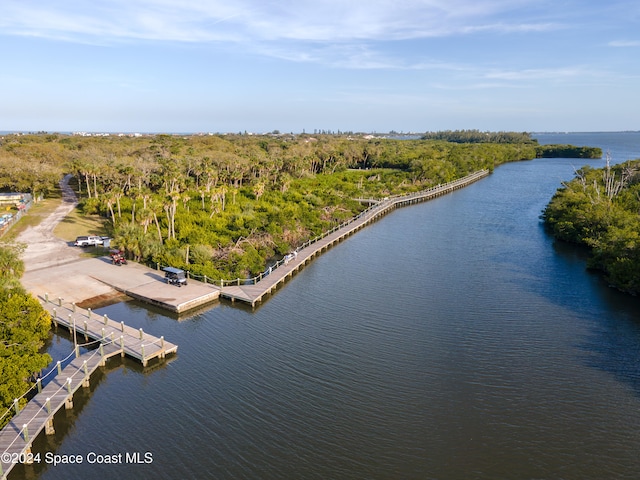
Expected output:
(359, 65)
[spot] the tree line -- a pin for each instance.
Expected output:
(476, 136)
(600, 208)
(567, 151)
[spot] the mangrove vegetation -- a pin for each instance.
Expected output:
(600, 208)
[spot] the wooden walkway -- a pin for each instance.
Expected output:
(133, 343)
(258, 287)
(37, 415)
(111, 337)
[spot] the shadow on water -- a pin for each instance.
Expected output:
(613, 344)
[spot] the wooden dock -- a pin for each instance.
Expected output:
(133, 342)
(253, 290)
(37, 415)
(110, 337)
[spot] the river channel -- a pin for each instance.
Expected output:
(453, 339)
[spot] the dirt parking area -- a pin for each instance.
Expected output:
(56, 268)
(53, 264)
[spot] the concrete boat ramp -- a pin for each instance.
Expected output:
(96, 279)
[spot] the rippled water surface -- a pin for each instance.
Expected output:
(451, 340)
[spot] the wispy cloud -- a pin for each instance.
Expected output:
(336, 33)
(624, 43)
(537, 74)
(217, 20)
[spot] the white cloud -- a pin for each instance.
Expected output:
(536, 74)
(216, 20)
(624, 43)
(338, 33)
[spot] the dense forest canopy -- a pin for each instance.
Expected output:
(225, 205)
(600, 208)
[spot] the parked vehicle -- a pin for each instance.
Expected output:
(175, 276)
(117, 257)
(88, 241)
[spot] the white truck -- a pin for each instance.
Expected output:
(88, 241)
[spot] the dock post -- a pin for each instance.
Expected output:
(75, 339)
(85, 329)
(73, 306)
(39, 384)
(144, 362)
(106, 319)
(85, 380)
(59, 368)
(25, 432)
(205, 279)
(122, 345)
(88, 313)
(46, 298)
(122, 326)
(68, 403)
(54, 317)
(162, 341)
(102, 333)
(48, 428)
(16, 405)
(141, 334)
(102, 359)
(59, 301)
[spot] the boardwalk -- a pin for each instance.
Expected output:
(111, 337)
(133, 343)
(262, 285)
(16, 437)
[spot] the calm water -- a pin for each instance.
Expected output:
(450, 340)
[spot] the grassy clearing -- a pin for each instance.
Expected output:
(76, 224)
